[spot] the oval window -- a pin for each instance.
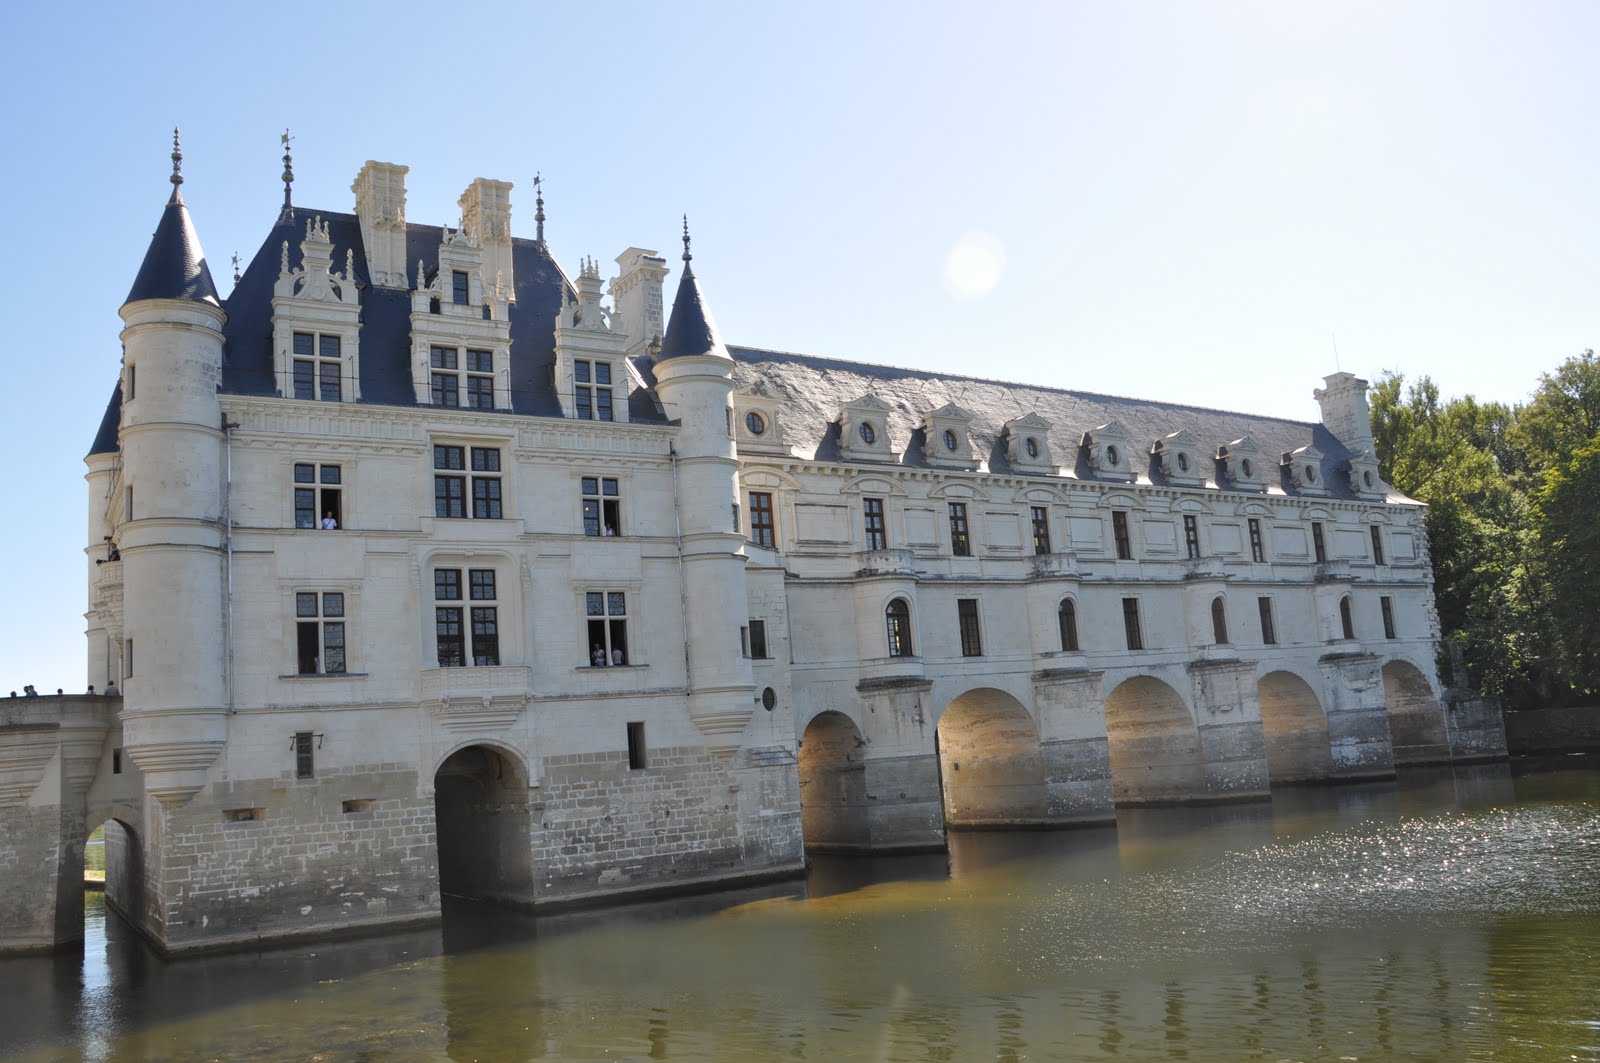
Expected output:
(1366, 478)
(756, 423)
(949, 439)
(769, 699)
(1183, 462)
(869, 435)
(1246, 469)
(1311, 474)
(1111, 455)
(1032, 447)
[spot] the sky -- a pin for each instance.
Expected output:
(1209, 203)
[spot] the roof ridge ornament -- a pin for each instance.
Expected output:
(686, 255)
(287, 214)
(177, 160)
(538, 202)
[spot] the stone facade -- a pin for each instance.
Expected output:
(421, 570)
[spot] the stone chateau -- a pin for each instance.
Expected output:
(423, 566)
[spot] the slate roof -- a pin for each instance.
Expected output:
(690, 330)
(813, 389)
(174, 266)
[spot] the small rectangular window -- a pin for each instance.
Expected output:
(960, 540)
(606, 620)
(316, 367)
(877, 533)
(116, 762)
(1130, 623)
(637, 759)
(319, 632)
(1257, 549)
(304, 766)
(1377, 544)
(458, 287)
(758, 639)
(591, 390)
(602, 505)
(127, 659)
(133, 378)
(1386, 603)
(1119, 531)
(763, 530)
(1318, 547)
(1041, 529)
(318, 498)
(1191, 536)
(450, 482)
(1269, 632)
(967, 618)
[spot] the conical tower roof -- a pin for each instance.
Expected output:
(691, 331)
(174, 266)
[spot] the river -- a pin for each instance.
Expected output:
(1449, 915)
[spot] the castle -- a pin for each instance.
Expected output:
(423, 567)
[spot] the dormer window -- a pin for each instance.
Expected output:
(1108, 452)
(946, 438)
(1112, 457)
(316, 366)
(1178, 454)
(1364, 475)
(1028, 444)
(591, 390)
(1241, 462)
(455, 372)
(458, 287)
(1305, 469)
(865, 430)
(1031, 447)
(949, 440)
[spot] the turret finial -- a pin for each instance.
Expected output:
(288, 178)
(177, 159)
(236, 277)
(538, 214)
(686, 255)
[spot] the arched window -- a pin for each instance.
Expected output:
(1219, 621)
(898, 616)
(1346, 621)
(1067, 615)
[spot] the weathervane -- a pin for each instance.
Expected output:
(236, 268)
(287, 213)
(538, 214)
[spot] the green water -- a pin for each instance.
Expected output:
(1450, 916)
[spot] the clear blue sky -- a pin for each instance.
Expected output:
(1175, 200)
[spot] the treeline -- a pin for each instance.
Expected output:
(1513, 497)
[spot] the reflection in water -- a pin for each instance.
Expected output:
(1454, 915)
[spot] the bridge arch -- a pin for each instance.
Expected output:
(833, 784)
(1296, 729)
(1416, 719)
(481, 821)
(991, 773)
(1153, 745)
(120, 856)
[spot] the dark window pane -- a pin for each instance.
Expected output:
(445, 457)
(758, 639)
(449, 496)
(305, 604)
(328, 346)
(447, 584)
(1068, 618)
(591, 516)
(594, 603)
(305, 508)
(602, 372)
(447, 626)
(458, 287)
(305, 474)
(602, 404)
(616, 604)
(483, 584)
(480, 393)
(328, 390)
(480, 361)
(302, 380)
(330, 474)
(580, 372)
(442, 357)
(333, 604)
(303, 343)
(608, 486)
(485, 459)
(486, 498)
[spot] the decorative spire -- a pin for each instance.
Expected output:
(236, 277)
(287, 214)
(686, 255)
(177, 160)
(538, 214)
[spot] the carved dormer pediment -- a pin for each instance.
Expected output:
(1305, 470)
(1363, 475)
(585, 313)
(1110, 456)
(947, 438)
(758, 423)
(1028, 445)
(1178, 454)
(864, 429)
(1241, 461)
(316, 322)
(315, 280)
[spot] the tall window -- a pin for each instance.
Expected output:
(304, 755)
(758, 639)
(1041, 528)
(1269, 631)
(316, 366)
(319, 632)
(877, 533)
(1219, 621)
(762, 531)
(1067, 618)
(458, 287)
(606, 614)
(898, 617)
(1377, 544)
(638, 754)
(592, 390)
(1347, 623)
(1386, 604)
(960, 540)
(1119, 531)
(451, 480)
(1191, 536)
(1130, 623)
(967, 619)
(1257, 549)
(467, 633)
(602, 506)
(1318, 546)
(317, 496)
(451, 376)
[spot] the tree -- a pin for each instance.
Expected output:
(1566, 514)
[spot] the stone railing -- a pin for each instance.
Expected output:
(885, 563)
(1332, 572)
(1046, 566)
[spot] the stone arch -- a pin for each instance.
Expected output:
(1416, 719)
(123, 859)
(1296, 729)
(482, 820)
(833, 783)
(899, 627)
(1153, 745)
(990, 770)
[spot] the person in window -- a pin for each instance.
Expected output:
(597, 656)
(610, 530)
(328, 523)
(616, 656)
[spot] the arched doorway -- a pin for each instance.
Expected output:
(1416, 720)
(833, 784)
(480, 802)
(113, 860)
(990, 770)
(1153, 745)
(1296, 729)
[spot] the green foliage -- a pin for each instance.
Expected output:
(1513, 522)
